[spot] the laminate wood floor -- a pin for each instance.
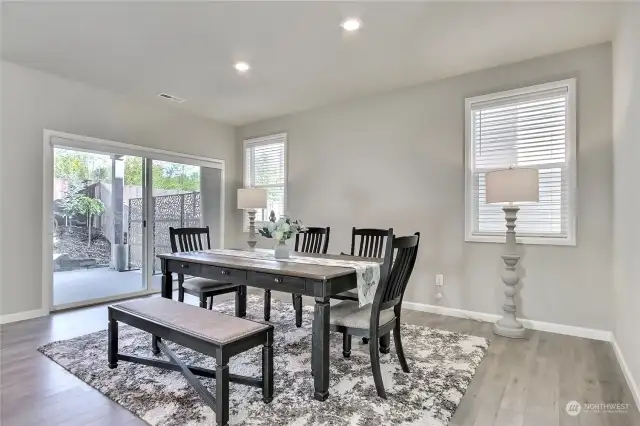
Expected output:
(519, 382)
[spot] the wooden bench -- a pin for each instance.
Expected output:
(208, 332)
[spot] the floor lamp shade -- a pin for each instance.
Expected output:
(512, 186)
(252, 198)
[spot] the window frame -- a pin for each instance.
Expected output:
(263, 140)
(571, 166)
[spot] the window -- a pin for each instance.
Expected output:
(265, 162)
(530, 127)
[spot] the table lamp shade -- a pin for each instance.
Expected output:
(252, 198)
(512, 186)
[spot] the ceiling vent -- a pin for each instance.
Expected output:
(171, 97)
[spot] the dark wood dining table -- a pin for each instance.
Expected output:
(317, 281)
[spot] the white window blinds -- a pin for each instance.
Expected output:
(265, 167)
(532, 127)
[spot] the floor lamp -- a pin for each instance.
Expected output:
(250, 199)
(510, 187)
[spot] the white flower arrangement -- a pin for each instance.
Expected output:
(281, 229)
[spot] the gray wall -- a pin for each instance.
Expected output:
(33, 101)
(626, 66)
(397, 159)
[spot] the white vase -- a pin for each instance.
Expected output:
(281, 250)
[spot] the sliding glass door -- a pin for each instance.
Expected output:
(95, 196)
(111, 214)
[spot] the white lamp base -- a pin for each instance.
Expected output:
(508, 325)
(251, 242)
(514, 331)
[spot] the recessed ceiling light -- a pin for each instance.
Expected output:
(351, 24)
(242, 66)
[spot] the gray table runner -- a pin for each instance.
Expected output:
(367, 273)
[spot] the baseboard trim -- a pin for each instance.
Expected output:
(568, 330)
(626, 371)
(21, 316)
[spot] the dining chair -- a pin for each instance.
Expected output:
(191, 239)
(370, 243)
(383, 315)
(313, 240)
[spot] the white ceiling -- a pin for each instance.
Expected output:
(300, 56)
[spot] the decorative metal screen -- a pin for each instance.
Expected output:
(178, 211)
(134, 233)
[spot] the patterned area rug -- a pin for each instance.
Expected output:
(442, 365)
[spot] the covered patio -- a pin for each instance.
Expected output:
(89, 284)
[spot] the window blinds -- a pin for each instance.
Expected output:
(527, 130)
(265, 168)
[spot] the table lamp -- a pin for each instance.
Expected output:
(510, 187)
(251, 199)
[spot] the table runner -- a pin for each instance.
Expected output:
(367, 273)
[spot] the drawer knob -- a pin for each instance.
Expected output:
(277, 279)
(184, 266)
(224, 272)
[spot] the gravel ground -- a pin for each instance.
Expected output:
(72, 240)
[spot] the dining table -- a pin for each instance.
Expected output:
(319, 281)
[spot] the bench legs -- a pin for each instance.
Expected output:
(112, 353)
(219, 403)
(222, 392)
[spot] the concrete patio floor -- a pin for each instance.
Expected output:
(89, 284)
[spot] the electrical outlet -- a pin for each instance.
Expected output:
(439, 280)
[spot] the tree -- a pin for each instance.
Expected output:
(101, 174)
(70, 166)
(89, 207)
(133, 171)
(67, 203)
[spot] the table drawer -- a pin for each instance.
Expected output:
(209, 271)
(186, 268)
(276, 282)
(223, 274)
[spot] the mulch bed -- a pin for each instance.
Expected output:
(72, 240)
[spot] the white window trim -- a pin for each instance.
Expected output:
(571, 152)
(258, 141)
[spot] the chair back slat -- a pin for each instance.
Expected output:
(313, 240)
(372, 242)
(394, 280)
(188, 239)
(406, 249)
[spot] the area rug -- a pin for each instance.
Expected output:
(442, 365)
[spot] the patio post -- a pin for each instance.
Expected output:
(118, 248)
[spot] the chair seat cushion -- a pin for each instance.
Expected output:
(202, 323)
(200, 285)
(349, 314)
